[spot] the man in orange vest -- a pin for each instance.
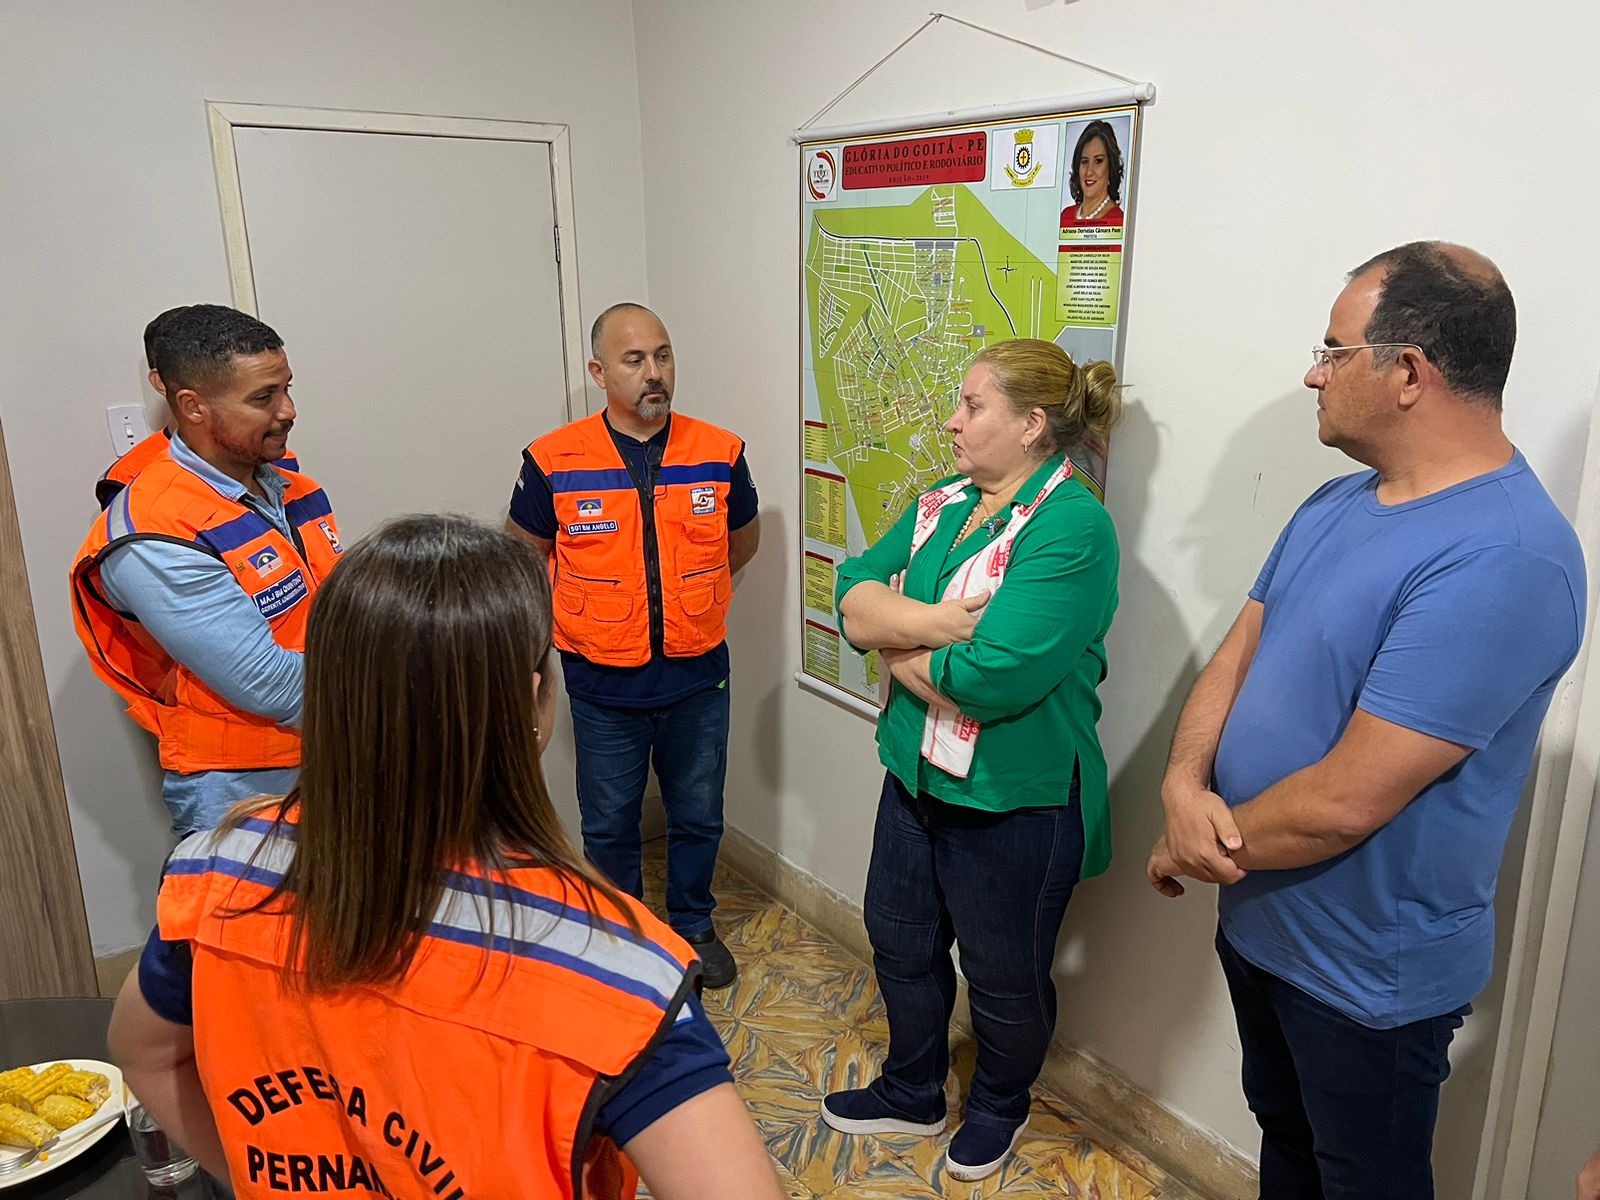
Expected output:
(121, 472)
(191, 591)
(645, 517)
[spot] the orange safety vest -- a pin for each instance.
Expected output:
(619, 599)
(478, 1075)
(126, 469)
(198, 729)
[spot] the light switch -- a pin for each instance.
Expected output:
(128, 427)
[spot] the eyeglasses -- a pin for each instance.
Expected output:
(1322, 356)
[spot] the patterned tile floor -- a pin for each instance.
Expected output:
(804, 1018)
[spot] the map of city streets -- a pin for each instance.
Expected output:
(918, 251)
(897, 316)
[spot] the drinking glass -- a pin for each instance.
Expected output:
(163, 1161)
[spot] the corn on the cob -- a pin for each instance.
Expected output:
(65, 1111)
(43, 1084)
(18, 1077)
(10, 1095)
(18, 1128)
(85, 1085)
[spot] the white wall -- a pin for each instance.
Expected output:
(1289, 142)
(108, 214)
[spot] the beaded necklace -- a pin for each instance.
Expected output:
(1105, 203)
(990, 523)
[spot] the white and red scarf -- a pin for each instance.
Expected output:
(949, 736)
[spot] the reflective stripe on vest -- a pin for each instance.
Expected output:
(491, 1049)
(197, 728)
(616, 603)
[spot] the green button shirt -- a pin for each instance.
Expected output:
(1030, 672)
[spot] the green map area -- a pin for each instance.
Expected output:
(899, 300)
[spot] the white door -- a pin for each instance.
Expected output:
(414, 282)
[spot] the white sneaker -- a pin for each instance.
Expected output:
(859, 1111)
(972, 1172)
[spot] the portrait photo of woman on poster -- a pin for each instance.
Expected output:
(1095, 178)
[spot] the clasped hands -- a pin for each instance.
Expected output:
(1200, 840)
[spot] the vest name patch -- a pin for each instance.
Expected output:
(281, 596)
(578, 527)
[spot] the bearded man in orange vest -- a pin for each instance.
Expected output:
(645, 516)
(121, 472)
(191, 591)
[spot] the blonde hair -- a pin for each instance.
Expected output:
(1077, 401)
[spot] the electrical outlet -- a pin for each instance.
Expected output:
(127, 425)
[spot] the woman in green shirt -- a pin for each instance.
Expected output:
(988, 602)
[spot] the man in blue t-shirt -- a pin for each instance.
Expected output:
(670, 710)
(1350, 761)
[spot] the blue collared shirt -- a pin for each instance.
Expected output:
(190, 602)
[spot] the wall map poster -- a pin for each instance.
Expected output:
(917, 251)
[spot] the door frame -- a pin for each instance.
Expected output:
(45, 947)
(224, 117)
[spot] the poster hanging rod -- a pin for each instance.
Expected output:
(1137, 93)
(839, 696)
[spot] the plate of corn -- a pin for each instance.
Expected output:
(53, 1112)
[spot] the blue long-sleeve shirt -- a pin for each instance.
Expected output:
(190, 602)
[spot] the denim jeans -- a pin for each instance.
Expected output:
(687, 742)
(1346, 1111)
(997, 885)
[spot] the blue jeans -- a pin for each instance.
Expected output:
(687, 742)
(997, 884)
(1346, 1111)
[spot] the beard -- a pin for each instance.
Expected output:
(654, 402)
(249, 450)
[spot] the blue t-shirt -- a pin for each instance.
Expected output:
(688, 1060)
(1453, 615)
(662, 680)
